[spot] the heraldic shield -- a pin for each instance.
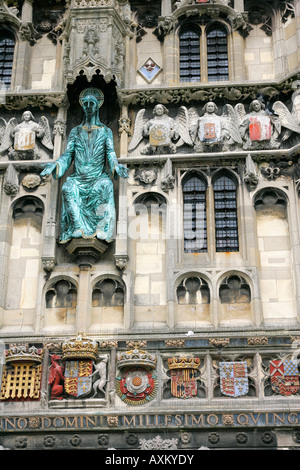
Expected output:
(284, 377)
(78, 377)
(234, 378)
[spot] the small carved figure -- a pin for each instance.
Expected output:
(101, 371)
(262, 129)
(56, 378)
(164, 133)
(26, 140)
(213, 132)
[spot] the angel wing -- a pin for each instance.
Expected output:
(193, 122)
(140, 121)
(46, 140)
(7, 140)
(286, 118)
(231, 123)
(3, 125)
(182, 127)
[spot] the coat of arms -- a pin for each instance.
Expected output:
(78, 377)
(234, 378)
(136, 382)
(284, 377)
(260, 128)
(184, 373)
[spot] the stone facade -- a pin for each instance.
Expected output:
(184, 331)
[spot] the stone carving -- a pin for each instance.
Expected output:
(158, 443)
(74, 379)
(88, 196)
(56, 377)
(211, 131)
(146, 176)
(260, 129)
(165, 134)
(100, 370)
(250, 175)
(136, 382)
(27, 140)
(11, 181)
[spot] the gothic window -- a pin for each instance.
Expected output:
(7, 46)
(217, 54)
(226, 222)
(189, 40)
(203, 53)
(194, 215)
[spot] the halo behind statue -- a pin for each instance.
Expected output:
(98, 94)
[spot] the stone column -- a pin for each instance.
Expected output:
(2, 360)
(239, 5)
(23, 51)
(166, 7)
(84, 295)
(297, 19)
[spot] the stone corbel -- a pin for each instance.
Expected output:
(28, 33)
(166, 24)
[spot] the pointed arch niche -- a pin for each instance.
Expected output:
(276, 261)
(193, 306)
(24, 261)
(148, 234)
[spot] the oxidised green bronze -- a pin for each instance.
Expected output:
(88, 207)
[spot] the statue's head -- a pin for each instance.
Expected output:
(91, 100)
(90, 106)
(210, 107)
(256, 106)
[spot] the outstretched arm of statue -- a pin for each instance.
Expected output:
(49, 169)
(121, 170)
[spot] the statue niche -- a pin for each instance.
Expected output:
(88, 207)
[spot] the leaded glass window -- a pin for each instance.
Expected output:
(194, 215)
(217, 55)
(226, 222)
(190, 55)
(7, 46)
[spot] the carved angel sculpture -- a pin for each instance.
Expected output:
(213, 132)
(165, 134)
(263, 130)
(27, 140)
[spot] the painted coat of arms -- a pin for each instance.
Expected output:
(184, 373)
(284, 377)
(78, 377)
(260, 128)
(234, 378)
(136, 382)
(210, 129)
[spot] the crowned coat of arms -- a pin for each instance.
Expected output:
(234, 378)
(136, 382)
(284, 377)
(184, 373)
